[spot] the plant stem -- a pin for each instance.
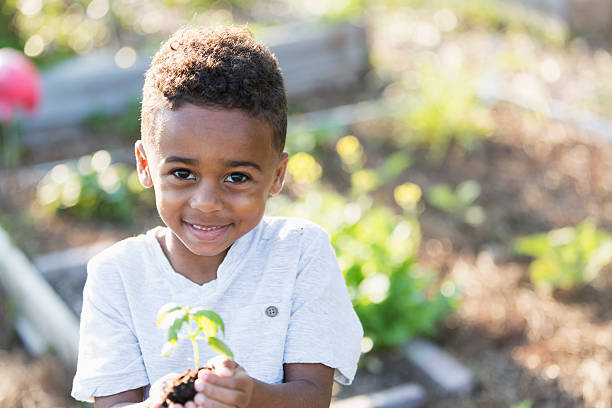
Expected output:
(194, 343)
(196, 354)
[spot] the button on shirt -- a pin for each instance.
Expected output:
(279, 291)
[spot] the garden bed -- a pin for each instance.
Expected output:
(551, 348)
(538, 348)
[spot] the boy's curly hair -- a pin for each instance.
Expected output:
(221, 67)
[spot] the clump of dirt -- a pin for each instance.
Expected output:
(182, 389)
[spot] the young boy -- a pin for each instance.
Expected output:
(214, 118)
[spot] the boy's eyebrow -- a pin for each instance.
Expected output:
(228, 163)
(178, 159)
(240, 163)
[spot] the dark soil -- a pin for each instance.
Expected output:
(181, 390)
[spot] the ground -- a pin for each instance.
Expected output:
(552, 348)
(536, 174)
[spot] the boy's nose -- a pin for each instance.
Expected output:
(206, 197)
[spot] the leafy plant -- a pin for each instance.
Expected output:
(443, 111)
(393, 296)
(93, 188)
(566, 257)
(459, 202)
(201, 324)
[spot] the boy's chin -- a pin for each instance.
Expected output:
(207, 250)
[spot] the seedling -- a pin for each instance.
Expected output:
(201, 325)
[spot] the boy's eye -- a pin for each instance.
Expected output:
(183, 174)
(236, 178)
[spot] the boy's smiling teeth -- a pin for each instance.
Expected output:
(199, 227)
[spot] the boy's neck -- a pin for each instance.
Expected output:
(196, 268)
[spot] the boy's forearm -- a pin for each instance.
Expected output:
(293, 394)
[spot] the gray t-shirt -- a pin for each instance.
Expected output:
(286, 263)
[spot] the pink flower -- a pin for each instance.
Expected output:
(20, 84)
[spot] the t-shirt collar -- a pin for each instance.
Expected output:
(236, 255)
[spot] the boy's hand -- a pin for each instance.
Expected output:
(157, 390)
(227, 386)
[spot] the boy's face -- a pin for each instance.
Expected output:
(212, 171)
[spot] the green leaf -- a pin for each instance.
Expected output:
(394, 165)
(177, 319)
(220, 347)
(444, 198)
(165, 310)
(468, 191)
(208, 320)
(170, 318)
(544, 272)
(532, 245)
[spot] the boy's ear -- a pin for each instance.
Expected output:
(144, 174)
(279, 174)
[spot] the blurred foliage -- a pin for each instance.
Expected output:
(94, 189)
(10, 144)
(566, 257)
(79, 26)
(50, 30)
(394, 298)
(376, 247)
(443, 110)
(509, 17)
(127, 123)
(20, 225)
(459, 202)
(527, 403)
(493, 15)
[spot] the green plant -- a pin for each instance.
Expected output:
(93, 188)
(527, 403)
(393, 296)
(459, 202)
(198, 321)
(566, 257)
(57, 29)
(443, 111)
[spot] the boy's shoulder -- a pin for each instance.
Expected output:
(283, 228)
(131, 249)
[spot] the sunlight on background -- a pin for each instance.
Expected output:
(485, 134)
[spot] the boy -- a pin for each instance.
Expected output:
(214, 118)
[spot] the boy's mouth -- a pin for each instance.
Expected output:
(204, 228)
(207, 232)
